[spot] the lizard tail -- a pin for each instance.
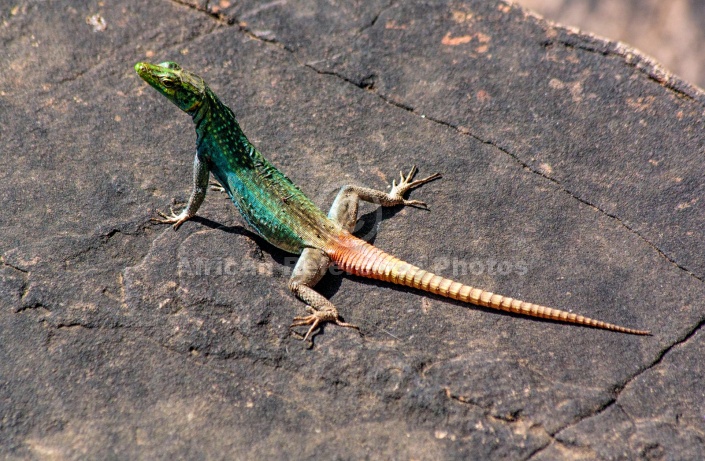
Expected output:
(358, 257)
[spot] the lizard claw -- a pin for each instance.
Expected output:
(215, 186)
(316, 318)
(416, 203)
(406, 184)
(171, 218)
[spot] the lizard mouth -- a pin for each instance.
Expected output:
(181, 87)
(144, 70)
(149, 73)
(193, 107)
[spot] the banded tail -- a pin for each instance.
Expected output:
(358, 257)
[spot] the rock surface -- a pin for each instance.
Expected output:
(672, 32)
(573, 177)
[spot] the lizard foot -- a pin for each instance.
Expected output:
(318, 317)
(172, 218)
(215, 186)
(406, 184)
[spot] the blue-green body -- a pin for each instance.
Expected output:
(268, 200)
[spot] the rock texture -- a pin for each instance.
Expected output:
(573, 177)
(670, 31)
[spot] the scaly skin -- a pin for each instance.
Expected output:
(268, 200)
(278, 211)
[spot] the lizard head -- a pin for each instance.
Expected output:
(183, 88)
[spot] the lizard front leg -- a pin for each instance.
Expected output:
(309, 269)
(344, 208)
(200, 186)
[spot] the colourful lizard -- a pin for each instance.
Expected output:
(278, 211)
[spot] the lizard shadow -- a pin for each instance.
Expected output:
(368, 224)
(367, 227)
(329, 285)
(280, 256)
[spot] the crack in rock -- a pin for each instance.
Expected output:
(11, 266)
(512, 420)
(619, 389)
(633, 57)
(263, 7)
(374, 20)
(206, 8)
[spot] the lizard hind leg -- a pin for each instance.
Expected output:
(309, 269)
(313, 262)
(345, 206)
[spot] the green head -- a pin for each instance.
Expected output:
(183, 88)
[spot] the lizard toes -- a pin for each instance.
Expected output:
(312, 320)
(301, 321)
(416, 203)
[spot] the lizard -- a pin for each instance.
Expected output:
(284, 216)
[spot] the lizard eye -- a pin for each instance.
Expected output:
(170, 65)
(168, 82)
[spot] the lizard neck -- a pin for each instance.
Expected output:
(200, 117)
(217, 129)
